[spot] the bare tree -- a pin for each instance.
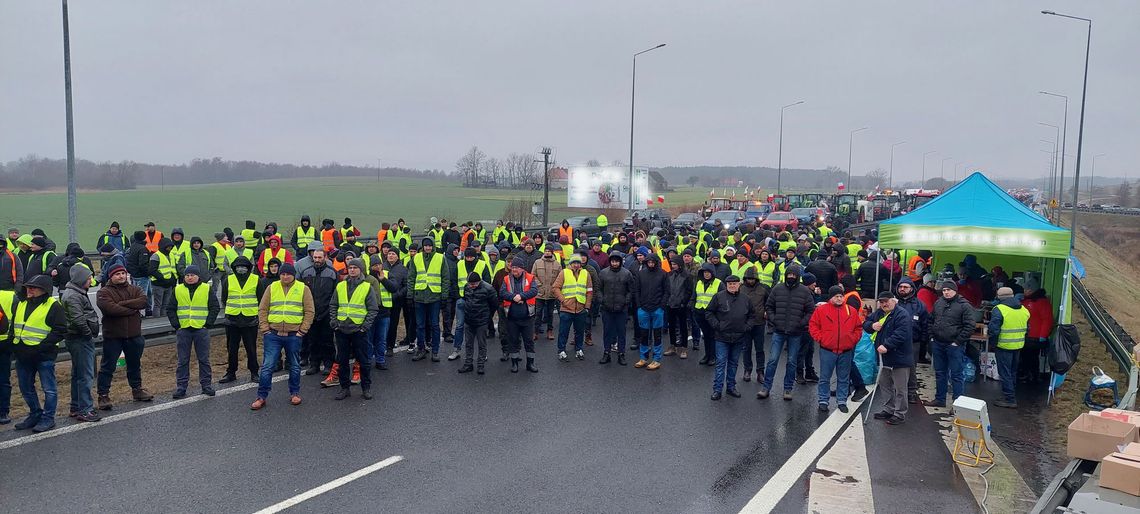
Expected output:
(1124, 194)
(594, 163)
(491, 170)
(520, 170)
(468, 166)
(877, 178)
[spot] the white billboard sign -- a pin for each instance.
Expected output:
(606, 187)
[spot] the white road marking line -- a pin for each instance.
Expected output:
(312, 493)
(842, 479)
(69, 429)
(777, 486)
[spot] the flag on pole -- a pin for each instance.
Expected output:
(660, 198)
(712, 192)
(648, 201)
(842, 187)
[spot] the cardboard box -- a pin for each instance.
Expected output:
(1093, 437)
(1127, 416)
(1121, 470)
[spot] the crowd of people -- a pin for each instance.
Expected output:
(329, 303)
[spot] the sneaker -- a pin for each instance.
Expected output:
(655, 365)
(332, 377)
(895, 420)
(640, 363)
(883, 415)
(141, 395)
(295, 400)
(562, 356)
(356, 374)
(89, 417)
(580, 355)
(823, 408)
(44, 425)
(454, 355)
(104, 402)
(178, 395)
(843, 408)
(810, 377)
(762, 393)
(787, 396)
(411, 348)
(257, 404)
(715, 396)
(859, 394)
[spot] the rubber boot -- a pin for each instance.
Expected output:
(515, 365)
(530, 365)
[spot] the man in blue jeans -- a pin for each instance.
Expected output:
(284, 315)
(39, 323)
(651, 292)
(952, 325)
(788, 308)
(1009, 322)
(731, 315)
(82, 326)
(838, 329)
(574, 290)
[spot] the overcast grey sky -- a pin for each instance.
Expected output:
(418, 83)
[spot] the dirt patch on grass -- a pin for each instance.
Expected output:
(1108, 248)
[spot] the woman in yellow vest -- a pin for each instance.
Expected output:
(38, 325)
(284, 315)
(1009, 322)
(192, 311)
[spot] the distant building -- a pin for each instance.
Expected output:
(558, 178)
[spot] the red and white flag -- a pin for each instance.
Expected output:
(842, 187)
(660, 198)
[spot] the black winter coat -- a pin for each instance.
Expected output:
(730, 316)
(681, 289)
(651, 288)
(825, 274)
(789, 308)
(138, 260)
(895, 335)
(479, 303)
(865, 278)
(614, 289)
(953, 320)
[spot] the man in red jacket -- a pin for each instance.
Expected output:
(837, 328)
(1040, 328)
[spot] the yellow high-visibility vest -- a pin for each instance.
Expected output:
(765, 272)
(304, 237)
(34, 329)
(287, 307)
(738, 269)
(354, 309)
(192, 309)
(705, 294)
(1014, 325)
(575, 287)
(430, 276)
(242, 300)
(462, 272)
(269, 254)
(166, 266)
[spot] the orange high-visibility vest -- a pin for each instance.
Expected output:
(567, 232)
(152, 242)
(327, 238)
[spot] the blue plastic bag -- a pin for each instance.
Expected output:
(865, 359)
(969, 371)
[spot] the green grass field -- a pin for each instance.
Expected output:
(204, 210)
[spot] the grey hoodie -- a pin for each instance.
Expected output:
(82, 322)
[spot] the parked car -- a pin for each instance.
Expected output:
(587, 225)
(758, 211)
(806, 215)
(778, 221)
(689, 220)
(657, 218)
(728, 219)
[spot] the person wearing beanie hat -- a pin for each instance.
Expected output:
(731, 315)
(615, 291)
(497, 269)
(429, 283)
(546, 270)
(82, 328)
(284, 326)
(892, 331)
(757, 292)
(240, 291)
(574, 290)
(951, 327)
(651, 295)
(470, 264)
(191, 310)
(35, 350)
(836, 327)
(36, 256)
(120, 302)
(518, 294)
(114, 237)
(352, 312)
(1008, 328)
(480, 301)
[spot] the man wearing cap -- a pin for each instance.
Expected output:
(920, 323)
(731, 316)
(82, 328)
(428, 280)
(153, 236)
(351, 314)
(39, 323)
(285, 315)
(1009, 323)
(836, 327)
(518, 294)
(192, 311)
(575, 293)
(951, 328)
(891, 331)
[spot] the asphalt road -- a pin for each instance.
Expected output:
(576, 437)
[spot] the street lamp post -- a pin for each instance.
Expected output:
(1092, 173)
(72, 201)
(891, 175)
(942, 171)
(780, 151)
(850, 145)
(1064, 134)
(632, 100)
(1081, 126)
(922, 184)
(1057, 139)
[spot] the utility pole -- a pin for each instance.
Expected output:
(545, 185)
(377, 170)
(72, 203)
(162, 184)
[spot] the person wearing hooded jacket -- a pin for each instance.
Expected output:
(731, 315)
(788, 309)
(757, 293)
(61, 266)
(920, 325)
(651, 292)
(681, 285)
(240, 292)
(614, 290)
(273, 250)
(35, 350)
(951, 328)
(304, 234)
(250, 234)
(392, 282)
(1009, 324)
(197, 255)
(317, 344)
(352, 311)
(163, 274)
(82, 328)
(705, 287)
(546, 270)
(401, 301)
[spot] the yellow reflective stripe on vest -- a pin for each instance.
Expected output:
(241, 300)
(166, 266)
(738, 269)
(34, 329)
(287, 307)
(268, 254)
(705, 295)
(574, 287)
(6, 301)
(766, 272)
(875, 335)
(461, 272)
(1014, 325)
(385, 296)
(192, 311)
(354, 309)
(304, 238)
(430, 276)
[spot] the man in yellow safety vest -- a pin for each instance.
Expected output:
(429, 283)
(351, 313)
(192, 310)
(1009, 322)
(38, 324)
(284, 315)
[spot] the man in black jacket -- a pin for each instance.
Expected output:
(920, 326)
(35, 350)
(731, 315)
(872, 277)
(479, 301)
(890, 329)
(11, 268)
(651, 291)
(241, 318)
(951, 328)
(317, 344)
(615, 293)
(788, 309)
(680, 296)
(825, 273)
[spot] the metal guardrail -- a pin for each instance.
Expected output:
(1116, 339)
